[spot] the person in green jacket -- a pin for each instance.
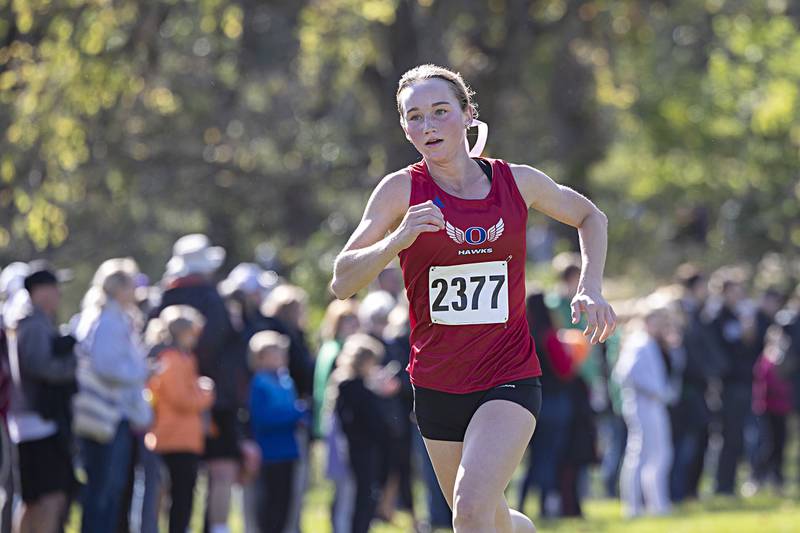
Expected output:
(340, 321)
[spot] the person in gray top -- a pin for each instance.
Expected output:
(43, 369)
(112, 374)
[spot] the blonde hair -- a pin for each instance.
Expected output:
(463, 93)
(281, 298)
(176, 319)
(357, 350)
(335, 313)
(265, 340)
(110, 276)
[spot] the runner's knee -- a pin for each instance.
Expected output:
(472, 508)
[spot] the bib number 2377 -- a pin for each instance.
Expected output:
(474, 293)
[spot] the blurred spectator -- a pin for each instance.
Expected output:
(567, 266)
(373, 315)
(390, 280)
(737, 381)
(181, 398)
(43, 367)
(772, 403)
(274, 413)
(110, 402)
(13, 297)
(581, 444)
(769, 304)
(396, 336)
(612, 431)
(643, 371)
(189, 282)
(340, 321)
(288, 306)
(360, 385)
(705, 362)
(244, 290)
(549, 443)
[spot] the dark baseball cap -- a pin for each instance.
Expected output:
(41, 273)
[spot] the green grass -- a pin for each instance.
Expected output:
(765, 513)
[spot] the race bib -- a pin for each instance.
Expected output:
(474, 293)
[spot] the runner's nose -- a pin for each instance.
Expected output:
(427, 125)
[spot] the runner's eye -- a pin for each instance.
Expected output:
(440, 112)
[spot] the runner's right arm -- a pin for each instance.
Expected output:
(379, 237)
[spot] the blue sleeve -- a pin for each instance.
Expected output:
(271, 407)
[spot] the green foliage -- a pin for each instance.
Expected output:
(125, 124)
(713, 128)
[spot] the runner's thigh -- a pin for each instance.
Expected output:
(445, 456)
(496, 439)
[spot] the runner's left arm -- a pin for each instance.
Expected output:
(570, 207)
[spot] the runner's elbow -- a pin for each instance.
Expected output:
(339, 290)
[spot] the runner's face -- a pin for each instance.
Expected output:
(432, 119)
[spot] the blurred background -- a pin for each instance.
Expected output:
(265, 125)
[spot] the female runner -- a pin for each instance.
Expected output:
(458, 224)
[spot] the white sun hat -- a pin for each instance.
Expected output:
(249, 278)
(193, 254)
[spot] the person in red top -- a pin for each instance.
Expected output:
(458, 224)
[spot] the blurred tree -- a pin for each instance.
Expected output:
(126, 124)
(706, 158)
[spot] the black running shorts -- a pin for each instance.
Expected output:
(445, 416)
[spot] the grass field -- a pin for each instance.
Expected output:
(764, 513)
(761, 514)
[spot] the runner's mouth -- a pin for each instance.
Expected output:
(434, 142)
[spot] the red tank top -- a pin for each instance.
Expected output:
(470, 272)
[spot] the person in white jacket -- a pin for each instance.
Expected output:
(643, 374)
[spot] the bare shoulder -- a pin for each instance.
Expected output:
(531, 182)
(390, 198)
(395, 187)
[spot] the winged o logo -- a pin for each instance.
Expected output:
(475, 235)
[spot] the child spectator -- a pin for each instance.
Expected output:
(772, 403)
(360, 385)
(643, 371)
(182, 400)
(274, 414)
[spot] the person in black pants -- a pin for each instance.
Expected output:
(705, 362)
(182, 469)
(737, 383)
(275, 414)
(358, 406)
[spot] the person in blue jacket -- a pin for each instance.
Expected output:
(275, 413)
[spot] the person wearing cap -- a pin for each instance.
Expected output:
(275, 413)
(244, 290)
(189, 281)
(43, 367)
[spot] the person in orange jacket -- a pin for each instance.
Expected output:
(181, 401)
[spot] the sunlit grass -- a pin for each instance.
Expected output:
(767, 512)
